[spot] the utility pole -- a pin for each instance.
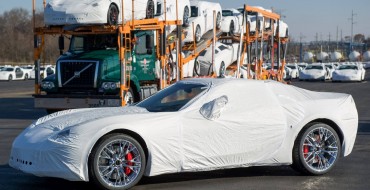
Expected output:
(301, 36)
(352, 23)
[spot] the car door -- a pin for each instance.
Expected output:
(18, 73)
(250, 128)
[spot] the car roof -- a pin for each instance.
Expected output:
(220, 81)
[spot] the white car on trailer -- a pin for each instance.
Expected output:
(232, 21)
(224, 56)
(66, 12)
(202, 19)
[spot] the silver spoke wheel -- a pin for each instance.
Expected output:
(197, 34)
(320, 149)
(316, 149)
(119, 163)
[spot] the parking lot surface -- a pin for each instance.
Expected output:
(352, 172)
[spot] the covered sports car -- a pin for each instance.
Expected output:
(193, 125)
(349, 73)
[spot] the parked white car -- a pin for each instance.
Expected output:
(45, 71)
(225, 55)
(232, 20)
(202, 17)
(294, 70)
(13, 73)
(349, 73)
(62, 12)
(28, 69)
(314, 72)
(192, 125)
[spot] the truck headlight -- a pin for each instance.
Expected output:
(47, 85)
(110, 85)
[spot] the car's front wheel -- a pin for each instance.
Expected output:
(186, 16)
(198, 34)
(222, 70)
(26, 77)
(316, 149)
(10, 78)
(117, 162)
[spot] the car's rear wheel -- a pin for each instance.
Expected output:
(117, 162)
(10, 78)
(316, 149)
(198, 35)
(232, 28)
(113, 14)
(185, 21)
(218, 20)
(150, 9)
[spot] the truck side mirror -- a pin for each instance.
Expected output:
(149, 42)
(61, 44)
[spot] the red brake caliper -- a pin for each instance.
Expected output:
(305, 150)
(128, 159)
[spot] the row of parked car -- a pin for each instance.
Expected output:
(346, 71)
(10, 73)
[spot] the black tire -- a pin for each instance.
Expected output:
(198, 35)
(218, 20)
(10, 78)
(303, 147)
(130, 166)
(150, 9)
(26, 77)
(232, 28)
(130, 97)
(222, 70)
(196, 69)
(186, 16)
(113, 15)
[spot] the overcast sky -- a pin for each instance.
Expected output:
(303, 16)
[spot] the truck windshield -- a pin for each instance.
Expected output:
(85, 43)
(173, 98)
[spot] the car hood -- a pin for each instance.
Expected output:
(346, 72)
(58, 121)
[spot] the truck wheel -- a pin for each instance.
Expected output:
(116, 162)
(185, 21)
(316, 149)
(150, 9)
(10, 78)
(129, 97)
(113, 15)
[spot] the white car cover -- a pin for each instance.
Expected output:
(218, 129)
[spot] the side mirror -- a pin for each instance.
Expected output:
(213, 109)
(61, 44)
